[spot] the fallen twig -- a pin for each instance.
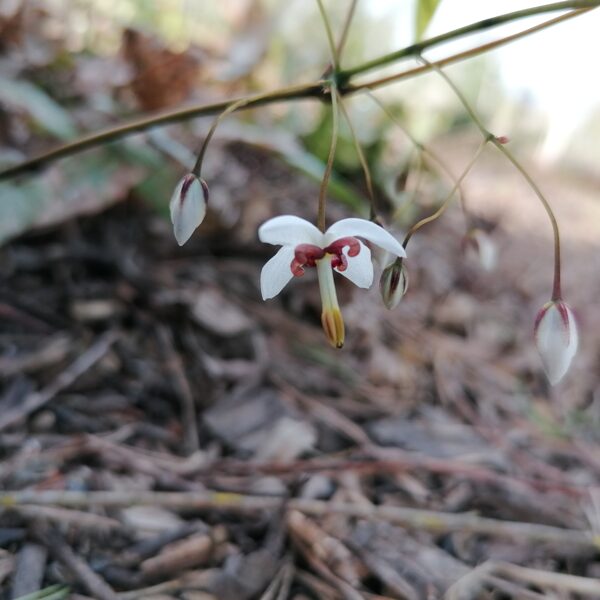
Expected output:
(36, 400)
(79, 568)
(436, 522)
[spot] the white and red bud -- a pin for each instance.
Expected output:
(556, 338)
(479, 244)
(393, 284)
(188, 206)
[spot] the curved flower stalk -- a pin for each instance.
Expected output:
(188, 206)
(557, 338)
(337, 249)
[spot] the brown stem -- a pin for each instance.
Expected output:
(232, 107)
(420, 47)
(438, 213)
(296, 92)
(488, 136)
(464, 55)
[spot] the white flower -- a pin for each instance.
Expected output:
(337, 249)
(188, 206)
(556, 338)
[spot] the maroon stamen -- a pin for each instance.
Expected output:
(338, 246)
(305, 255)
(339, 262)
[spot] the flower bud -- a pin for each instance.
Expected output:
(483, 249)
(556, 338)
(188, 206)
(393, 284)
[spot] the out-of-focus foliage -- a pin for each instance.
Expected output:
(74, 67)
(423, 15)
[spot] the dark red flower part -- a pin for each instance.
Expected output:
(338, 246)
(187, 182)
(307, 255)
(339, 262)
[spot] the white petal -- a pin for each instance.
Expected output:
(557, 343)
(367, 230)
(187, 209)
(276, 273)
(289, 230)
(360, 268)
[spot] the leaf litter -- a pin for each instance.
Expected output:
(165, 434)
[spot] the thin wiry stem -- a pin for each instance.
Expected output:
(231, 108)
(330, 40)
(362, 159)
(346, 29)
(462, 55)
(556, 287)
(296, 92)
(330, 158)
(418, 48)
(423, 150)
(438, 213)
(92, 140)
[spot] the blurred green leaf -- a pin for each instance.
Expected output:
(424, 13)
(53, 592)
(84, 184)
(47, 114)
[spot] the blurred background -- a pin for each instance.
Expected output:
(130, 365)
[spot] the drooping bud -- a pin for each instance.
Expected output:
(556, 338)
(188, 206)
(480, 245)
(393, 284)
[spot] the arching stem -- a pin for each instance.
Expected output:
(438, 213)
(423, 150)
(556, 286)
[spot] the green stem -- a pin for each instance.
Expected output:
(330, 40)
(361, 158)
(346, 29)
(462, 55)
(295, 92)
(556, 287)
(438, 213)
(330, 158)
(418, 48)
